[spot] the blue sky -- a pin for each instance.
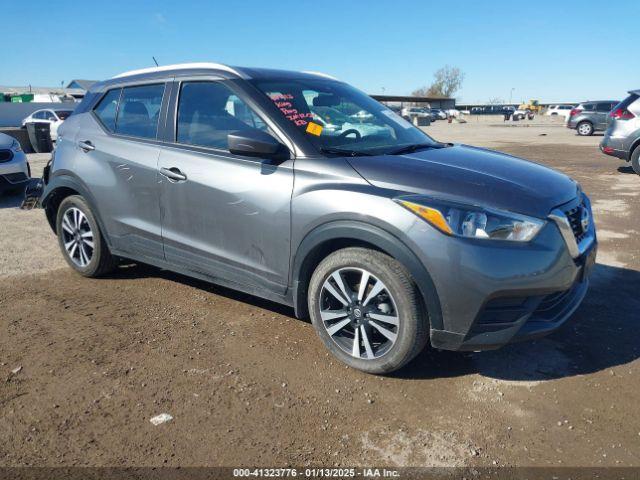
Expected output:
(551, 50)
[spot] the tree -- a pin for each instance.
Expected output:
(496, 101)
(447, 81)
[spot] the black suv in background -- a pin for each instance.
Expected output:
(589, 117)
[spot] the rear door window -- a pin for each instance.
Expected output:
(603, 107)
(589, 107)
(139, 111)
(107, 109)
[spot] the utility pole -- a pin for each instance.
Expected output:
(511, 95)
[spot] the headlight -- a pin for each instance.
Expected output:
(473, 222)
(15, 146)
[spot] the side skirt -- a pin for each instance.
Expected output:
(256, 291)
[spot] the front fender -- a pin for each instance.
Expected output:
(305, 260)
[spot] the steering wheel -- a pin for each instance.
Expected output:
(349, 132)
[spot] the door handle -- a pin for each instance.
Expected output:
(174, 174)
(86, 146)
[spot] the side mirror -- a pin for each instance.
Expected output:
(256, 143)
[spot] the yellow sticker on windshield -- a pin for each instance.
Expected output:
(314, 129)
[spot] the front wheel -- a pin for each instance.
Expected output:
(585, 129)
(367, 310)
(80, 239)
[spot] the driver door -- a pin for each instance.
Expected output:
(223, 215)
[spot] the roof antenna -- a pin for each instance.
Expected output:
(155, 61)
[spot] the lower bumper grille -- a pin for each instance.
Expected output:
(502, 313)
(15, 177)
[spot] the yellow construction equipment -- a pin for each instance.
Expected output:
(533, 106)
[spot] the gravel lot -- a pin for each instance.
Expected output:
(248, 384)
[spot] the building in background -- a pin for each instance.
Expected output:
(73, 92)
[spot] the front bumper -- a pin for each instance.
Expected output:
(14, 172)
(510, 319)
(494, 293)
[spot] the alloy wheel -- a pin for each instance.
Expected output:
(584, 129)
(359, 313)
(78, 237)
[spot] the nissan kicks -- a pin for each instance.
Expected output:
(386, 238)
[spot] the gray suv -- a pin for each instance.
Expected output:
(622, 138)
(385, 237)
(590, 117)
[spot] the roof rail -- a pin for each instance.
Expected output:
(183, 66)
(320, 74)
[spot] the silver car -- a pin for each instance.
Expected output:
(622, 138)
(385, 237)
(14, 168)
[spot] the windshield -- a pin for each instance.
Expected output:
(334, 115)
(63, 114)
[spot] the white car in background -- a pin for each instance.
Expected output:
(559, 110)
(336, 123)
(53, 116)
(14, 169)
(409, 113)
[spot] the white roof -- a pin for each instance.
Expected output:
(182, 66)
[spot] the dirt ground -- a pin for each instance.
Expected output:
(85, 364)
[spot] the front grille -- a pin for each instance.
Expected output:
(5, 156)
(574, 215)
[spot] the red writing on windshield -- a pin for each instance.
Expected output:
(283, 102)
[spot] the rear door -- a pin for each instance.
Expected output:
(602, 113)
(118, 160)
(224, 215)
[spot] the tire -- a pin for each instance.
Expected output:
(91, 257)
(398, 308)
(635, 160)
(584, 129)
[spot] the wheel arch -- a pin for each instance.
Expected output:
(585, 120)
(634, 146)
(61, 187)
(329, 237)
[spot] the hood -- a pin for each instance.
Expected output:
(471, 175)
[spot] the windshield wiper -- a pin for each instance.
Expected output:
(346, 153)
(415, 147)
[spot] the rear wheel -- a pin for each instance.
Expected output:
(585, 129)
(635, 160)
(80, 239)
(367, 310)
